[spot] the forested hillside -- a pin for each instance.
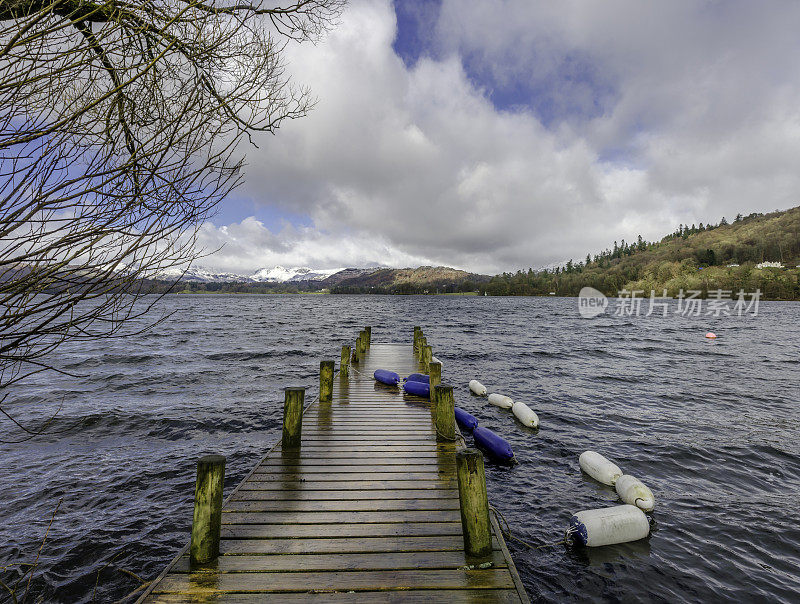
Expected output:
(697, 257)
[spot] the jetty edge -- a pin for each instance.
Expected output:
(370, 496)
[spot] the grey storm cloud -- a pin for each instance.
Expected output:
(660, 113)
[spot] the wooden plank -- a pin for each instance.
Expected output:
(323, 437)
(346, 459)
(204, 583)
(377, 448)
(303, 467)
(453, 596)
(350, 561)
(345, 530)
(344, 495)
(335, 485)
(383, 505)
(374, 456)
(342, 545)
(280, 517)
(341, 477)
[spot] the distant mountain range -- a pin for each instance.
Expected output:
(277, 274)
(423, 279)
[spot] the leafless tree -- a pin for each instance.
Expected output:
(120, 131)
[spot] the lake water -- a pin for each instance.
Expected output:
(710, 426)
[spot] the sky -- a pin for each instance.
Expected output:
(500, 135)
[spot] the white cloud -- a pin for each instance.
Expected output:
(696, 115)
(249, 245)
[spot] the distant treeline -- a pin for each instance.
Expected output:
(409, 288)
(192, 287)
(700, 258)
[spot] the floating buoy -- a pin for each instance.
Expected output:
(465, 420)
(711, 335)
(384, 376)
(417, 389)
(494, 445)
(500, 400)
(477, 387)
(608, 526)
(633, 491)
(525, 414)
(418, 377)
(599, 468)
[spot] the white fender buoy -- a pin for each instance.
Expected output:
(608, 526)
(435, 360)
(500, 400)
(633, 491)
(477, 387)
(599, 468)
(525, 415)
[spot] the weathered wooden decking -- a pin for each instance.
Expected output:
(366, 511)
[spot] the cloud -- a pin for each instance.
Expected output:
(532, 132)
(246, 246)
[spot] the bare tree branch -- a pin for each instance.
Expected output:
(120, 131)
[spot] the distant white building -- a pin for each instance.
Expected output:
(769, 265)
(732, 265)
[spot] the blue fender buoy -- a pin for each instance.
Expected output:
(417, 389)
(384, 376)
(494, 445)
(418, 377)
(465, 420)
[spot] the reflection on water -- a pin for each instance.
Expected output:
(710, 427)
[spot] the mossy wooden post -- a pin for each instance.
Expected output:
(207, 521)
(293, 417)
(435, 378)
(362, 344)
(344, 364)
(368, 337)
(357, 349)
(474, 503)
(326, 381)
(423, 342)
(427, 355)
(417, 333)
(444, 415)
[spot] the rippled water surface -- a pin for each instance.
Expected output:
(710, 426)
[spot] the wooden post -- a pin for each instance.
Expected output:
(423, 342)
(417, 333)
(368, 331)
(357, 349)
(207, 519)
(326, 381)
(444, 415)
(344, 364)
(474, 503)
(427, 353)
(293, 416)
(435, 375)
(362, 344)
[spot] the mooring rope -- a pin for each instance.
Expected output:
(507, 533)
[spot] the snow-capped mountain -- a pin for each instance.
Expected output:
(280, 274)
(277, 274)
(201, 275)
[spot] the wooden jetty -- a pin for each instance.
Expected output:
(366, 509)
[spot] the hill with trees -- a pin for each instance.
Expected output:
(727, 256)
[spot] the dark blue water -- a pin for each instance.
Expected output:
(710, 426)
